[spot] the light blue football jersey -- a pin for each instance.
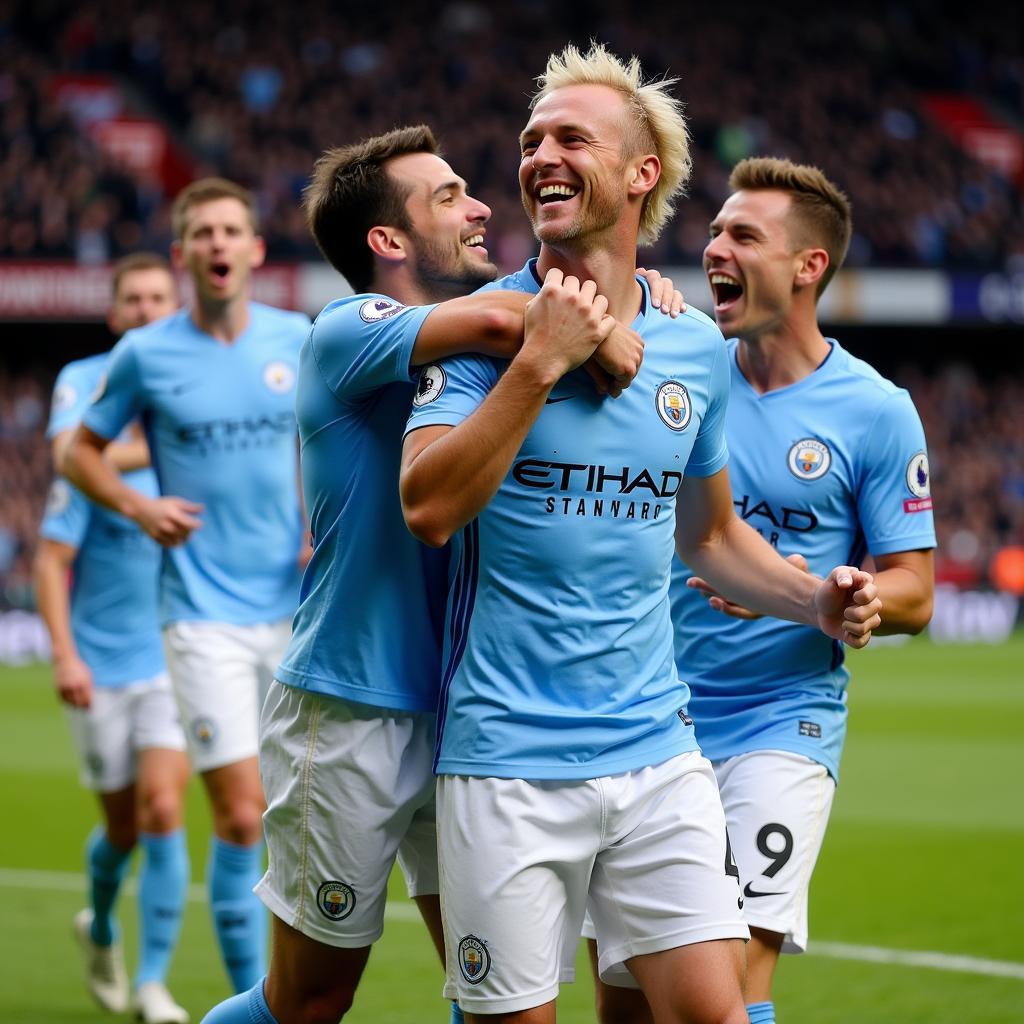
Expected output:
(115, 573)
(558, 647)
(369, 624)
(831, 467)
(220, 422)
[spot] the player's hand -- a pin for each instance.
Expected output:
(663, 295)
(170, 520)
(620, 356)
(74, 682)
(564, 323)
(848, 606)
(727, 607)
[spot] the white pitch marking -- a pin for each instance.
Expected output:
(66, 881)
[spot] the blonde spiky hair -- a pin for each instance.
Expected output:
(655, 121)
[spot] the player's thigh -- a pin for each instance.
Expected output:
(515, 861)
(697, 983)
(214, 669)
(102, 734)
(663, 879)
(344, 783)
(777, 806)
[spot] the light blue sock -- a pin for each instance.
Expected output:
(163, 884)
(239, 919)
(457, 1017)
(245, 1008)
(761, 1013)
(106, 865)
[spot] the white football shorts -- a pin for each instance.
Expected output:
(122, 721)
(349, 787)
(221, 674)
(520, 861)
(776, 807)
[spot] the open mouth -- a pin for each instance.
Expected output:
(473, 241)
(727, 290)
(220, 271)
(547, 195)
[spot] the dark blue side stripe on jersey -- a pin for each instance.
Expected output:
(463, 599)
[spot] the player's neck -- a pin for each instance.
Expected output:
(612, 268)
(224, 321)
(782, 356)
(407, 289)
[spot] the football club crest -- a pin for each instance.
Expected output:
(918, 477)
(59, 497)
(431, 384)
(204, 731)
(64, 396)
(673, 404)
(474, 959)
(336, 900)
(279, 377)
(378, 309)
(809, 459)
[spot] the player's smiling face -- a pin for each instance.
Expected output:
(573, 173)
(751, 263)
(143, 296)
(219, 249)
(448, 227)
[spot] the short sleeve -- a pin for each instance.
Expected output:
(710, 450)
(72, 393)
(119, 397)
(449, 391)
(363, 344)
(66, 516)
(894, 501)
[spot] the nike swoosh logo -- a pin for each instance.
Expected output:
(552, 401)
(180, 389)
(753, 894)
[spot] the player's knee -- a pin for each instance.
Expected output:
(240, 822)
(160, 811)
(122, 834)
(621, 1006)
(323, 1008)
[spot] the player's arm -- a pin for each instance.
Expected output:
(491, 323)
(738, 562)
(168, 520)
(906, 585)
(72, 677)
(450, 473)
(132, 453)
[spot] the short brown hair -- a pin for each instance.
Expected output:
(136, 261)
(350, 191)
(205, 190)
(821, 207)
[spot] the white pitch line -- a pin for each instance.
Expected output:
(66, 881)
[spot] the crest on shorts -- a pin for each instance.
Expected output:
(336, 900)
(474, 959)
(431, 384)
(809, 459)
(204, 731)
(673, 404)
(378, 309)
(278, 376)
(94, 762)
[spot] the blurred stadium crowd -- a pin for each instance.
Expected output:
(256, 90)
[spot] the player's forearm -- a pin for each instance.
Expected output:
(447, 483)
(490, 323)
(87, 468)
(52, 603)
(907, 598)
(742, 566)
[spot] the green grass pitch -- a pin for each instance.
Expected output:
(925, 852)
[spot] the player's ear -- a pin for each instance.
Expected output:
(386, 242)
(645, 174)
(178, 256)
(813, 263)
(259, 252)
